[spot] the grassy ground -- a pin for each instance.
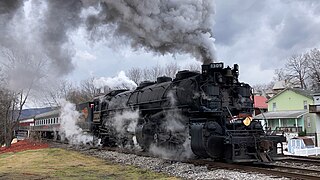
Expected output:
(54, 163)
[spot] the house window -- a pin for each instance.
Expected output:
(308, 121)
(274, 106)
(305, 104)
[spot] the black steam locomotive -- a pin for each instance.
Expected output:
(211, 109)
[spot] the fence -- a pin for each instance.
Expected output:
(289, 129)
(307, 151)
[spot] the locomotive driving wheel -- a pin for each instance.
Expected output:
(207, 140)
(144, 133)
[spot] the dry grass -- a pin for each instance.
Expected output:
(54, 163)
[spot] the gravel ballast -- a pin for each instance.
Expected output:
(173, 168)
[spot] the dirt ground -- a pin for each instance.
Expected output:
(23, 146)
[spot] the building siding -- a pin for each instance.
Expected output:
(313, 125)
(289, 100)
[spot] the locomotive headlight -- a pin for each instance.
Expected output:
(247, 121)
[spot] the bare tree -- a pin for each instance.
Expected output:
(193, 67)
(279, 75)
(6, 121)
(151, 74)
(135, 74)
(85, 92)
(52, 95)
(11, 104)
(77, 97)
(147, 75)
(314, 68)
(156, 71)
(297, 70)
(171, 70)
(21, 72)
(88, 90)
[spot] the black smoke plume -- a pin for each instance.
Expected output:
(161, 26)
(42, 28)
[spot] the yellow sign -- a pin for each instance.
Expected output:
(247, 121)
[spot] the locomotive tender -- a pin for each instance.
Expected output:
(212, 109)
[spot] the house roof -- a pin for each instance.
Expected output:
(55, 112)
(281, 115)
(30, 113)
(260, 102)
(316, 93)
(302, 92)
(279, 85)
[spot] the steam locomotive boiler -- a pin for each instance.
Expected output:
(212, 110)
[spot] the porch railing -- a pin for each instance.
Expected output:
(288, 129)
(307, 151)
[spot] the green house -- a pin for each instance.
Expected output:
(288, 112)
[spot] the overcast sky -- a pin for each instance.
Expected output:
(258, 35)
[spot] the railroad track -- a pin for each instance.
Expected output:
(289, 172)
(269, 169)
(305, 160)
(53, 141)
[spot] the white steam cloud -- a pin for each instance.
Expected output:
(125, 123)
(68, 125)
(174, 125)
(177, 154)
(119, 82)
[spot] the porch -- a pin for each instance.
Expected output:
(285, 121)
